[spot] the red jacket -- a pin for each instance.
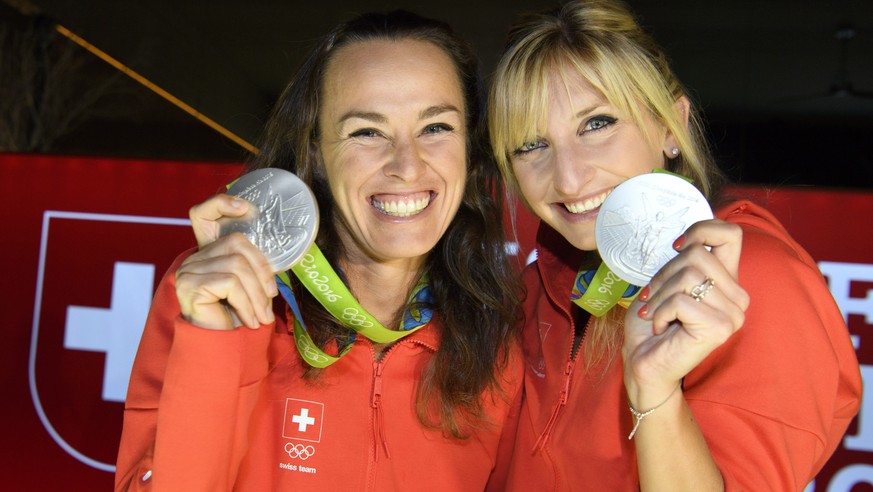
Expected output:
(219, 410)
(773, 402)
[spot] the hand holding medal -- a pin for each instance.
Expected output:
(230, 281)
(691, 302)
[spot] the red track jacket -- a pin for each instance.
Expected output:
(229, 410)
(773, 402)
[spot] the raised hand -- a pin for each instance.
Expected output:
(227, 277)
(691, 306)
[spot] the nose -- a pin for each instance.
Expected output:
(570, 173)
(406, 161)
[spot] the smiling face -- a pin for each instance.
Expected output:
(586, 149)
(393, 144)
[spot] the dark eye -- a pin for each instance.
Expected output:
(529, 147)
(364, 133)
(598, 123)
(437, 128)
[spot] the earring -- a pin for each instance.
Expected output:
(674, 151)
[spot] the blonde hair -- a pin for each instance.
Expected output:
(602, 42)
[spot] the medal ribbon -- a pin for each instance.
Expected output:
(664, 171)
(320, 279)
(597, 291)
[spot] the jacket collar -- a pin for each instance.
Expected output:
(558, 262)
(429, 336)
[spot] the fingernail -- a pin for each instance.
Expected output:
(643, 311)
(679, 242)
(269, 314)
(236, 203)
(644, 294)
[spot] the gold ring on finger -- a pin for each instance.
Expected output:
(699, 291)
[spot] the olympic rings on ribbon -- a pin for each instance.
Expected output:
(299, 451)
(597, 304)
(698, 292)
(309, 351)
(355, 318)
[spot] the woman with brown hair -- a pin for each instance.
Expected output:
(382, 122)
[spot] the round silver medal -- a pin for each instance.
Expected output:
(284, 221)
(640, 219)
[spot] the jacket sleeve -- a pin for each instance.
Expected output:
(774, 401)
(190, 397)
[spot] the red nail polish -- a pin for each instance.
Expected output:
(644, 294)
(679, 242)
(643, 311)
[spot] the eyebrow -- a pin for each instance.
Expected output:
(437, 110)
(364, 115)
(590, 109)
(380, 118)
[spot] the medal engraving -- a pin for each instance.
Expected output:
(284, 220)
(639, 221)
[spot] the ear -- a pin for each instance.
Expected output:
(683, 107)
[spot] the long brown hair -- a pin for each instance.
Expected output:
(474, 287)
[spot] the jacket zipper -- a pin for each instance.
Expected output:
(379, 439)
(378, 416)
(568, 376)
(376, 399)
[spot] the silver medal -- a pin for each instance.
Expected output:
(639, 221)
(284, 221)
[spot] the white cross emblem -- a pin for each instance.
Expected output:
(117, 330)
(303, 420)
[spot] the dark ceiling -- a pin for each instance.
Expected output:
(781, 82)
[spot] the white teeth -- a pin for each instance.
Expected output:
(402, 208)
(586, 206)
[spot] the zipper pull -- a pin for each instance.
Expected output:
(376, 403)
(565, 392)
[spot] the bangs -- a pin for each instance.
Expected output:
(519, 104)
(521, 91)
(606, 70)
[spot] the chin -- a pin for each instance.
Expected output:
(580, 239)
(404, 250)
(584, 242)
(584, 245)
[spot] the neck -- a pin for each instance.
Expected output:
(382, 287)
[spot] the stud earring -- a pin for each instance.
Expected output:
(674, 151)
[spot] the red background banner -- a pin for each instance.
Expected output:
(87, 238)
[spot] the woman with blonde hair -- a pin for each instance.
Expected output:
(732, 368)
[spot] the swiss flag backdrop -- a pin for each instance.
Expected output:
(86, 240)
(73, 226)
(89, 316)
